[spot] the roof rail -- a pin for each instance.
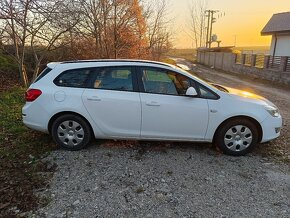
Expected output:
(116, 60)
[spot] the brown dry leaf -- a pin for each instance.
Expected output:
(4, 205)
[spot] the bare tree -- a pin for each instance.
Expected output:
(36, 24)
(158, 33)
(117, 26)
(15, 16)
(32, 30)
(50, 21)
(197, 22)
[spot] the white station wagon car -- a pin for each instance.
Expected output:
(143, 100)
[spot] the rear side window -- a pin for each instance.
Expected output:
(113, 78)
(77, 78)
(42, 74)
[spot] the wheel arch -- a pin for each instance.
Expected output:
(253, 120)
(59, 114)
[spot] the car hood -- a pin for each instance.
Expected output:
(248, 96)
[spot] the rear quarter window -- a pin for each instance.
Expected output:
(77, 78)
(42, 74)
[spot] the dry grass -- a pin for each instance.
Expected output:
(20, 153)
(188, 54)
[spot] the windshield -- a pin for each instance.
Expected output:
(213, 86)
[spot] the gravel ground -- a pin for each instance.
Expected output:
(128, 179)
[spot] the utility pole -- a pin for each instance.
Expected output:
(235, 40)
(207, 28)
(201, 31)
(213, 20)
(210, 20)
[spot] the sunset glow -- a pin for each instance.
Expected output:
(243, 21)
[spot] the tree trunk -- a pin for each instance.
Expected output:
(36, 70)
(115, 29)
(23, 75)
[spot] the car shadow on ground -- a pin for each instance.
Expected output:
(143, 147)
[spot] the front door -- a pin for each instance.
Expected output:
(166, 112)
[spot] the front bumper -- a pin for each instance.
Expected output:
(271, 127)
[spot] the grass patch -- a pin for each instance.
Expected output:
(7, 63)
(188, 54)
(140, 190)
(168, 61)
(20, 153)
(254, 49)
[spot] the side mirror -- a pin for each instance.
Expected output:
(191, 92)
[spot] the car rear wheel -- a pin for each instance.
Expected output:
(71, 132)
(237, 137)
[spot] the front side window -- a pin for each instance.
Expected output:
(113, 78)
(160, 81)
(76, 78)
(206, 93)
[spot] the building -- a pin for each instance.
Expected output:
(279, 27)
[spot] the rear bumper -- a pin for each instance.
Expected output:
(271, 127)
(34, 117)
(34, 126)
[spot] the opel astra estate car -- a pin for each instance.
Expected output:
(144, 100)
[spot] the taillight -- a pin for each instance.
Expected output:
(32, 94)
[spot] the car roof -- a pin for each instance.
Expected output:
(104, 61)
(115, 62)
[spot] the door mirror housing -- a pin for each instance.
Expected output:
(191, 92)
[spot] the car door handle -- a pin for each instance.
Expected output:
(94, 98)
(152, 103)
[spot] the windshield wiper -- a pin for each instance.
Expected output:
(219, 87)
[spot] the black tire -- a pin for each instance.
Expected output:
(239, 144)
(71, 132)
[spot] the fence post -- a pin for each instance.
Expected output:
(222, 64)
(234, 58)
(283, 64)
(243, 59)
(253, 60)
(208, 53)
(266, 61)
(214, 64)
(200, 56)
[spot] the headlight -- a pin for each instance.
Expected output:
(272, 110)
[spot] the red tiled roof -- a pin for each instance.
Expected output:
(277, 24)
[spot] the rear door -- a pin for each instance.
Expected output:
(113, 103)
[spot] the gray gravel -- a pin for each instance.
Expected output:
(176, 181)
(128, 179)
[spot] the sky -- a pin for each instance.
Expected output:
(243, 20)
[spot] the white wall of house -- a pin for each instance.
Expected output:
(282, 46)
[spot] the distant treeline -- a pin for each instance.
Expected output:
(33, 33)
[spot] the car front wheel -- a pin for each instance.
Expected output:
(71, 132)
(237, 137)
